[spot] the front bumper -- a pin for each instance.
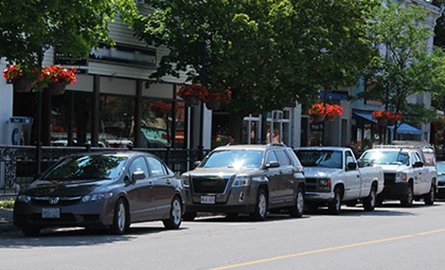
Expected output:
(397, 191)
(319, 196)
(90, 214)
(235, 200)
(440, 192)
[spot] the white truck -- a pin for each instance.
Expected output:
(410, 172)
(333, 177)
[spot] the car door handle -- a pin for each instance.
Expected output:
(168, 182)
(420, 173)
(150, 183)
(358, 176)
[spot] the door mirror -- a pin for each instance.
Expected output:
(138, 175)
(352, 166)
(197, 163)
(418, 164)
(273, 164)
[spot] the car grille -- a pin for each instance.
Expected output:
(62, 201)
(390, 178)
(441, 184)
(206, 184)
(312, 185)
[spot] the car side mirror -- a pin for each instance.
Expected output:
(197, 163)
(418, 164)
(138, 175)
(352, 166)
(273, 164)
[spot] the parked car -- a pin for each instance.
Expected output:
(440, 179)
(111, 189)
(408, 175)
(333, 178)
(246, 179)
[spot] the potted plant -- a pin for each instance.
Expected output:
(214, 99)
(317, 112)
(386, 118)
(58, 78)
(192, 94)
(22, 79)
(332, 110)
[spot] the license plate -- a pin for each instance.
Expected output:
(208, 199)
(50, 213)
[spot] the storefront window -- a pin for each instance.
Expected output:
(116, 120)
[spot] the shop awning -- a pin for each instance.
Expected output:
(404, 128)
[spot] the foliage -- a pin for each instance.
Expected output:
(7, 203)
(269, 53)
(193, 90)
(407, 67)
(29, 27)
(12, 72)
(383, 114)
(330, 110)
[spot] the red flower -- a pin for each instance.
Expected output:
(325, 109)
(383, 114)
(57, 74)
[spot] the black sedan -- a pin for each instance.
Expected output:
(101, 190)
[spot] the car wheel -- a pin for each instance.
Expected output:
(174, 221)
(370, 201)
(334, 206)
(298, 209)
(409, 198)
(431, 196)
(30, 231)
(189, 216)
(121, 220)
(260, 207)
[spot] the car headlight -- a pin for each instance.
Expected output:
(185, 180)
(241, 180)
(401, 177)
(96, 197)
(24, 198)
(325, 184)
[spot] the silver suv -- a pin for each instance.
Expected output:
(246, 179)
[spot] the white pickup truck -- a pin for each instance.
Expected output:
(333, 177)
(410, 172)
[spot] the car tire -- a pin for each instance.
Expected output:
(30, 231)
(260, 212)
(174, 221)
(431, 196)
(121, 218)
(370, 201)
(334, 207)
(189, 216)
(298, 209)
(352, 203)
(409, 198)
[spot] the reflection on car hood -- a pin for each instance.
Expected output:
(320, 172)
(224, 171)
(392, 167)
(64, 188)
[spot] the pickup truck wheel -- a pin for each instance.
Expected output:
(370, 201)
(334, 206)
(430, 197)
(409, 198)
(261, 206)
(298, 209)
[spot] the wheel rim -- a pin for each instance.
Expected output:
(432, 194)
(338, 201)
(262, 205)
(409, 197)
(121, 217)
(300, 202)
(373, 198)
(176, 212)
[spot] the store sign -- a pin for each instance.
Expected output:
(120, 54)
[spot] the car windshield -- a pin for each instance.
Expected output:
(440, 168)
(320, 158)
(88, 167)
(386, 158)
(234, 159)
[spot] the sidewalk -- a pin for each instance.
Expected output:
(6, 221)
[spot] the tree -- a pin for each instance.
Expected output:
(29, 27)
(268, 52)
(406, 66)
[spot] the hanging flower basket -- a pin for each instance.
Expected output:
(57, 88)
(318, 118)
(23, 84)
(213, 105)
(191, 101)
(192, 94)
(386, 118)
(322, 111)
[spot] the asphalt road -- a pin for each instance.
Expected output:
(392, 237)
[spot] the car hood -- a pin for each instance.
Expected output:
(388, 168)
(64, 188)
(320, 172)
(223, 171)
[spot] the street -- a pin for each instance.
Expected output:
(392, 237)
